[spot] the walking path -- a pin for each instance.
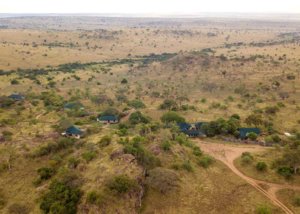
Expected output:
(228, 153)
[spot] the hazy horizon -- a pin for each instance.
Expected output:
(229, 15)
(158, 7)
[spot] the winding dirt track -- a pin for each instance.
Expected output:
(228, 153)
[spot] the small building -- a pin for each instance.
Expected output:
(192, 130)
(199, 125)
(184, 126)
(73, 131)
(194, 133)
(243, 132)
(16, 97)
(108, 119)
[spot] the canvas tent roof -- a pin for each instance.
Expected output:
(74, 130)
(108, 118)
(245, 131)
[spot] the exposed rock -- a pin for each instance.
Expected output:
(128, 158)
(2, 139)
(116, 154)
(155, 149)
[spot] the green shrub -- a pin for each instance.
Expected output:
(92, 197)
(205, 161)
(221, 126)
(263, 209)
(252, 136)
(7, 135)
(49, 148)
(247, 158)
(105, 141)
(89, 156)
(197, 151)
(52, 99)
(73, 162)
(166, 146)
(247, 154)
(285, 171)
(171, 116)
(95, 197)
(62, 198)
(169, 105)
(137, 117)
(136, 104)
(297, 200)
(144, 157)
(181, 139)
(261, 166)
(2, 200)
(235, 116)
(124, 81)
(273, 139)
(176, 166)
(122, 184)
(45, 173)
(186, 165)
(14, 82)
(162, 180)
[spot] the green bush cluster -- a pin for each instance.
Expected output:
(137, 117)
(166, 145)
(273, 139)
(143, 156)
(205, 161)
(285, 171)
(297, 200)
(52, 99)
(197, 151)
(122, 184)
(45, 173)
(169, 104)
(261, 166)
(105, 141)
(247, 158)
(221, 126)
(170, 117)
(136, 104)
(186, 165)
(62, 198)
(162, 180)
(49, 148)
(95, 197)
(263, 209)
(89, 155)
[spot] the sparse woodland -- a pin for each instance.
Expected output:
(151, 75)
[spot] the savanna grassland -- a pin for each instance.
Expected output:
(151, 73)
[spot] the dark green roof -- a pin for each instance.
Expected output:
(74, 130)
(199, 125)
(16, 97)
(184, 126)
(108, 118)
(194, 133)
(245, 131)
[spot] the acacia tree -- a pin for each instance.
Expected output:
(291, 157)
(254, 119)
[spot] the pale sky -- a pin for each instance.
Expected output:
(149, 6)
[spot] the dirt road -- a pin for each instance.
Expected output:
(227, 153)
